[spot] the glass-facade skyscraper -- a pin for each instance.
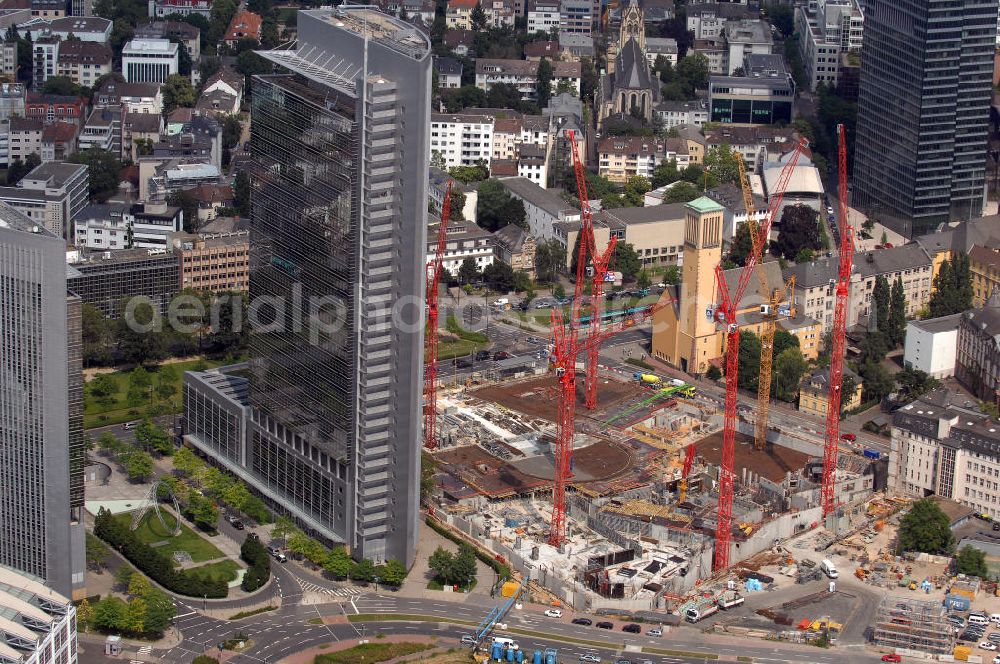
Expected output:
(41, 408)
(339, 138)
(923, 111)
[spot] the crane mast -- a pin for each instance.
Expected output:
(431, 371)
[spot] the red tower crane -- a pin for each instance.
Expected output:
(725, 314)
(839, 330)
(430, 372)
(600, 265)
(685, 471)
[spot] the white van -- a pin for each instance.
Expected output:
(978, 619)
(829, 568)
(505, 642)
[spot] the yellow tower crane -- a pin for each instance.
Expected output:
(770, 310)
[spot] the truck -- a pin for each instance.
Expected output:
(829, 568)
(502, 303)
(729, 599)
(649, 379)
(869, 453)
(702, 608)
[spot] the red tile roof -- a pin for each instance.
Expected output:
(244, 24)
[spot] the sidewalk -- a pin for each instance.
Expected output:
(416, 581)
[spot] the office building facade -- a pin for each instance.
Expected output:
(41, 408)
(923, 111)
(336, 427)
(150, 60)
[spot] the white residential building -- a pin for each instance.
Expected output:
(51, 195)
(623, 157)
(462, 139)
(942, 444)
(827, 29)
(661, 46)
(161, 8)
(931, 345)
(499, 13)
(676, 113)
(464, 239)
(543, 16)
(543, 208)
(107, 226)
(150, 60)
(744, 38)
(84, 28)
(38, 624)
(523, 74)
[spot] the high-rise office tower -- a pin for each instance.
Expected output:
(41, 408)
(923, 111)
(339, 138)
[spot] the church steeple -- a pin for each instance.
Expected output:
(633, 25)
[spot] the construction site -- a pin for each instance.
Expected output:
(628, 492)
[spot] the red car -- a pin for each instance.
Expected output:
(851, 437)
(892, 657)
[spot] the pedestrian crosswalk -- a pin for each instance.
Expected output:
(342, 591)
(145, 650)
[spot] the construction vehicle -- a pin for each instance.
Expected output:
(703, 608)
(649, 379)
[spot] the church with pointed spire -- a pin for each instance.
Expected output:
(629, 86)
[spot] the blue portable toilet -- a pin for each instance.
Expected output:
(519, 655)
(497, 652)
(537, 657)
(550, 656)
(510, 654)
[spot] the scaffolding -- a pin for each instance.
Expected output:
(914, 625)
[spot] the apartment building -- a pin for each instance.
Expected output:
(707, 20)
(815, 282)
(757, 144)
(52, 108)
(661, 47)
(150, 60)
(932, 345)
(622, 157)
(746, 37)
(814, 395)
(103, 130)
(8, 60)
(464, 240)
(984, 264)
(216, 262)
(83, 62)
(941, 444)
(244, 25)
(533, 164)
(676, 113)
(85, 28)
(24, 138)
(459, 14)
(576, 17)
(827, 30)
(51, 195)
(764, 95)
(544, 209)
(130, 97)
(139, 128)
(516, 247)
(162, 8)
(523, 74)
(437, 186)
(730, 197)
(59, 141)
(543, 16)
(462, 139)
(186, 33)
(499, 13)
(977, 362)
(127, 226)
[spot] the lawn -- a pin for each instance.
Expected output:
(370, 653)
(451, 348)
(116, 410)
(434, 584)
(150, 531)
(224, 570)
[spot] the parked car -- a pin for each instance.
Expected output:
(604, 625)
(553, 613)
(892, 657)
(482, 355)
(586, 622)
(463, 363)
(254, 536)
(996, 660)
(500, 355)
(589, 658)
(128, 426)
(987, 645)
(849, 436)
(622, 661)
(654, 631)
(277, 554)
(468, 640)
(632, 628)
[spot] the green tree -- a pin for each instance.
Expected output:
(363, 570)
(18, 169)
(467, 175)
(138, 586)
(880, 303)
(442, 563)
(799, 230)
(749, 361)
(877, 381)
(952, 291)
(201, 510)
(789, 368)
(925, 528)
(635, 190)
(741, 246)
(643, 280)
(550, 260)
(665, 172)
(338, 563)
(713, 373)
(682, 192)
(495, 207)
(237, 495)
(626, 260)
(110, 614)
(103, 170)
(971, 561)
(135, 616)
(468, 271)
(138, 465)
(896, 331)
(123, 575)
(60, 85)
(96, 551)
(160, 610)
(720, 162)
(782, 17)
(914, 382)
(393, 573)
(543, 86)
(478, 18)
(188, 204)
(187, 462)
(250, 64)
(84, 614)
(500, 277)
(692, 73)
